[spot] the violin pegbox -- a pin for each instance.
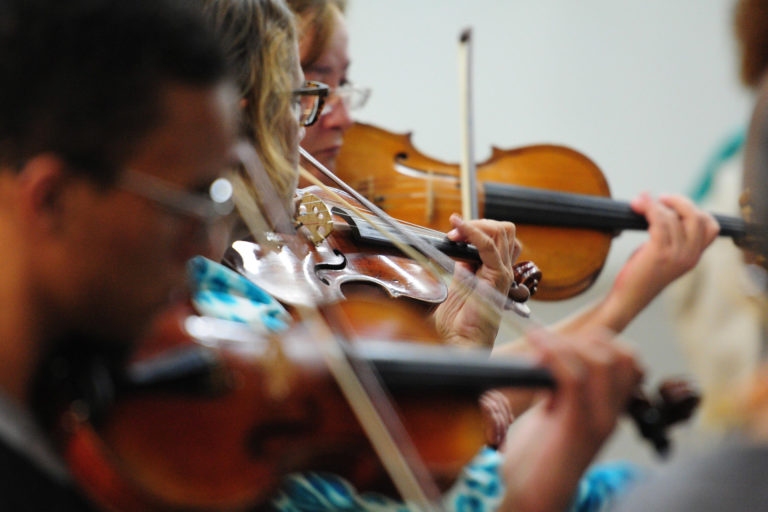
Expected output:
(314, 216)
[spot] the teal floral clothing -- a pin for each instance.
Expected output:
(478, 488)
(220, 292)
(223, 293)
(602, 484)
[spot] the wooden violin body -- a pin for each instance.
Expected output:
(221, 433)
(354, 250)
(557, 197)
(276, 411)
(411, 186)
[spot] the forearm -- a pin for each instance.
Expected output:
(614, 312)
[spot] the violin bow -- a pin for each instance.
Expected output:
(360, 386)
(418, 249)
(368, 400)
(468, 168)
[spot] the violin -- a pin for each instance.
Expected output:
(218, 421)
(209, 415)
(557, 197)
(351, 248)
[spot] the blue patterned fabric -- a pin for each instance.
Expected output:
(602, 484)
(478, 489)
(222, 293)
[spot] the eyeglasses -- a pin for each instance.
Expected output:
(351, 96)
(212, 210)
(207, 208)
(309, 101)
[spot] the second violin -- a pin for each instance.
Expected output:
(557, 197)
(350, 248)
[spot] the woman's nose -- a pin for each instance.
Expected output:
(338, 116)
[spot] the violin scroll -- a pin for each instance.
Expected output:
(527, 277)
(676, 402)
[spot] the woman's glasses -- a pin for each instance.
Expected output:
(308, 102)
(351, 96)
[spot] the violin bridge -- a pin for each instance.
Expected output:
(314, 215)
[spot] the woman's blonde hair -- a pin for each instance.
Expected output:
(316, 19)
(260, 41)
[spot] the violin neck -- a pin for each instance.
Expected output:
(526, 205)
(444, 370)
(366, 232)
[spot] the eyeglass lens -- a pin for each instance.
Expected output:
(308, 109)
(308, 102)
(353, 98)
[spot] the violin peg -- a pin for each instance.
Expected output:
(679, 399)
(527, 274)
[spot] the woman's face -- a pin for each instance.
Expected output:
(323, 139)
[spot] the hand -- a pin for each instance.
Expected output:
(497, 415)
(679, 232)
(549, 447)
(464, 318)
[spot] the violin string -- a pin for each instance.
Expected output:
(465, 281)
(411, 241)
(485, 294)
(732, 226)
(401, 193)
(509, 324)
(425, 254)
(377, 417)
(381, 227)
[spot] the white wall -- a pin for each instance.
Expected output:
(645, 88)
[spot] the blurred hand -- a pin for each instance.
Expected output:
(549, 447)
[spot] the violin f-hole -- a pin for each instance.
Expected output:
(321, 267)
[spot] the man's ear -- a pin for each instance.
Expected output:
(42, 182)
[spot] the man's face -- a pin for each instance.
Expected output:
(129, 252)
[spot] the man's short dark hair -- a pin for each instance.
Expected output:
(82, 78)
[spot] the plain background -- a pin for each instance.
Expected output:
(647, 89)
